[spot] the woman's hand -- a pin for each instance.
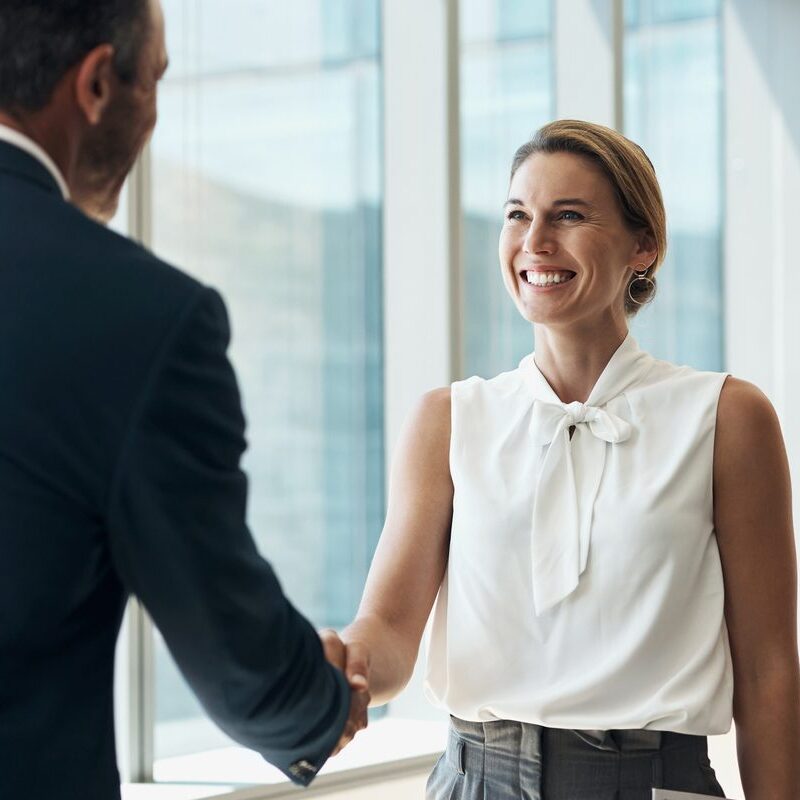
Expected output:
(353, 661)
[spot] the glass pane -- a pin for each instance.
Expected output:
(266, 185)
(650, 12)
(490, 21)
(506, 94)
(673, 102)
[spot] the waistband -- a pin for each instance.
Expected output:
(467, 741)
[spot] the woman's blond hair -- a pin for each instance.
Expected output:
(632, 177)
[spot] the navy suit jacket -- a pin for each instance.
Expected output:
(121, 432)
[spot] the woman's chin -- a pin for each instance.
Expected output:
(539, 313)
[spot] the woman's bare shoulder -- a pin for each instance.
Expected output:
(748, 430)
(436, 403)
(744, 409)
(431, 413)
(424, 443)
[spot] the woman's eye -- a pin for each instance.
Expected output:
(570, 216)
(516, 214)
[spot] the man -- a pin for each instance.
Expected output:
(121, 433)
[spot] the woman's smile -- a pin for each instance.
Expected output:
(541, 280)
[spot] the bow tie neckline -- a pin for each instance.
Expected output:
(571, 469)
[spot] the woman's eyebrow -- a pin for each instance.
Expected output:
(571, 201)
(565, 201)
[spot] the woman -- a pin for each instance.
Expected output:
(609, 535)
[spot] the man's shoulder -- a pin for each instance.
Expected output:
(113, 259)
(90, 283)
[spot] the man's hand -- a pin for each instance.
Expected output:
(353, 661)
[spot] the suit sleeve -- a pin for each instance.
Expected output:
(179, 540)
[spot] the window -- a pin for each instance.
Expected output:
(266, 184)
(506, 94)
(673, 108)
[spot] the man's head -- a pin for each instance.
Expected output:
(80, 77)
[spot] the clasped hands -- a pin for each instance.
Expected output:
(353, 660)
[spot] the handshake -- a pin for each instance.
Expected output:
(352, 660)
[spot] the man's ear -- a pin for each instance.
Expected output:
(94, 82)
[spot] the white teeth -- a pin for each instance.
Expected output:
(546, 278)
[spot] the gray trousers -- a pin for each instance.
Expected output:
(505, 760)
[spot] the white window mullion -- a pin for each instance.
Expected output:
(422, 220)
(588, 39)
(134, 668)
(453, 179)
(421, 203)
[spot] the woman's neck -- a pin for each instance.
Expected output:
(572, 361)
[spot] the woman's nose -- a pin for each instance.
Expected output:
(537, 239)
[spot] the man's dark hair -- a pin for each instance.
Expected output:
(41, 39)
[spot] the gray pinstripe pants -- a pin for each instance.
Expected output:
(505, 760)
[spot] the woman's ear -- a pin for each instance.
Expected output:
(646, 250)
(94, 83)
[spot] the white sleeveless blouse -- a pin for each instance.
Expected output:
(584, 586)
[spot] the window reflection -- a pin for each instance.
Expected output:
(266, 185)
(506, 94)
(673, 108)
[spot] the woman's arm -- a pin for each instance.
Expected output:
(383, 641)
(753, 520)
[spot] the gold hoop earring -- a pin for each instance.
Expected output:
(641, 277)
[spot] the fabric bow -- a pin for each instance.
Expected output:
(569, 480)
